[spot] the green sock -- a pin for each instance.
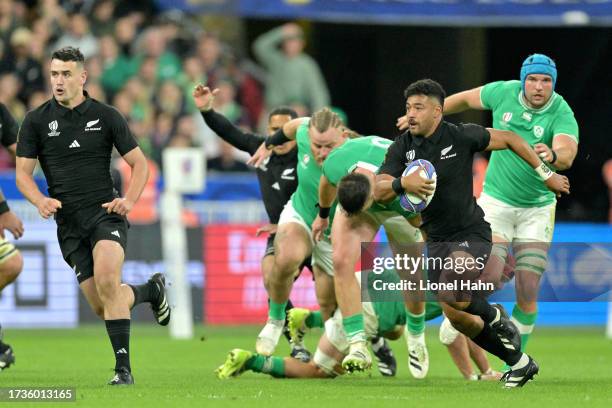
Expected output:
(276, 311)
(275, 366)
(415, 323)
(354, 328)
(525, 323)
(314, 319)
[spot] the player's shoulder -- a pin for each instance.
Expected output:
(39, 113)
(561, 105)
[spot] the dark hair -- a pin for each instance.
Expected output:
(68, 54)
(353, 192)
(283, 110)
(427, 87)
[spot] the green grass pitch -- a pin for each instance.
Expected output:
(576, 371)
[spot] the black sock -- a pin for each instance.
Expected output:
(286, 327)
(119, 335)
(482, 308)
(144, 293)
(3, 347)
(488, 340)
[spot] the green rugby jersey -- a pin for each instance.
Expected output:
(306, 196)
(367, 152)
(509, 178)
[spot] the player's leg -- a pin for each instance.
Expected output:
(108, 259)
(406, 239)
(479, 357)
(267, 263)
(534, 231)
(291, 246)
(347, 234)
(11, 264)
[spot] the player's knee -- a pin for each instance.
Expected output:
(342, 266)
(12, 267)
(448, 334)
(98, 310)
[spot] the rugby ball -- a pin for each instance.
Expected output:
(411, 202)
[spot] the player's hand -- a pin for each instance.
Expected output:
(319, 226)
(48, 206)
(259, 156)
(203, 97)
(415, 184)
(402, 123)
(266, 229)
(11, 222)
(543, 151)
(558, 184)
(121, 206)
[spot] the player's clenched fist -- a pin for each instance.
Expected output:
(48, 206)
(121, 206)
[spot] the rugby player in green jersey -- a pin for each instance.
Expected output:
(316, 137)
(358, 219)
(516, 202)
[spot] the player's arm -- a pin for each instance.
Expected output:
(327, 196)
(24, 172)
(9, 220)
(389, 181)
(504, 139)
(203, 98)
(463, 101)
(137, 161)
(286, 133)
(562, 154)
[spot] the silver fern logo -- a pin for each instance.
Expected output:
(53, 127)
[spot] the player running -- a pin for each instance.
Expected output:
(358, 219)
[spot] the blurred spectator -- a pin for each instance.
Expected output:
(225, 102)
(117, 67)
(170, 99)
(10, 85)
(194, 74)
(96, 91)
(180, 140)
(293, 77)
(141, 99)
(226, 160)
(248, 88)
(102, 18)
(125, 33)
(79, 36)
(209, 52)
(123, 103)
(153, 44)
(42, 32)
(23, 65)
(9, 19)
(36, 99)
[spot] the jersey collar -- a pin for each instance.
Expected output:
(80, 108)
(434, 138)
(539, 110)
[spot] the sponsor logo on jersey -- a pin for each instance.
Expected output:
(538, 131)
(444, 153)
(410, 155)
(276, 186)
(506, 117)
(116, 233)
(89, 126)
(53, 127)
(527, 116)
(288, 174)
(74, 144)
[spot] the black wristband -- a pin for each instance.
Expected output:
(554, 156)
(277, 139)
(396, 185)
(323, 211)
(4, 207)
